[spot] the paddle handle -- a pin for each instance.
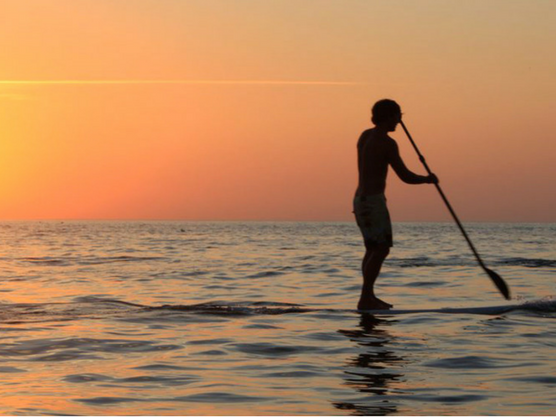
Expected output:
(448, 205)
(496, 279)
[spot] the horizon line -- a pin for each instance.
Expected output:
(193, 82)
(254, 220)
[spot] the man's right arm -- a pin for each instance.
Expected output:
(403, 172)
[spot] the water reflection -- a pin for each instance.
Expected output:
(374, 370)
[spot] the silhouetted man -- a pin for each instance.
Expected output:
(375, 152)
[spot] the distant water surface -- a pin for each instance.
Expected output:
(193, 318)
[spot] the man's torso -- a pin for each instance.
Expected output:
(373, 154)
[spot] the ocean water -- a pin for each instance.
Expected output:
(196, 318)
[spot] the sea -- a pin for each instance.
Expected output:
(259, 318)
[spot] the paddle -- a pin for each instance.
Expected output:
(497, 279)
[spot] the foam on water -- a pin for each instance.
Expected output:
(96, 308)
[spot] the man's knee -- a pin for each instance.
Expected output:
(382, 250)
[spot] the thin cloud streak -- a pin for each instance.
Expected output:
(193, 82)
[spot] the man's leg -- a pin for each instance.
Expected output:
(372, 263)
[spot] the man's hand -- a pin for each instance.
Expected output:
(432, 179)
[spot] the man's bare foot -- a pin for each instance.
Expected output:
(373, 304)
(388, 304)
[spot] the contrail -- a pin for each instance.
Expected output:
(192, 82)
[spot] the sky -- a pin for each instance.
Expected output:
(251, 110)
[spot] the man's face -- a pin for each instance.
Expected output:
(394, 121)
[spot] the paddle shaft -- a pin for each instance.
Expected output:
(448, 205)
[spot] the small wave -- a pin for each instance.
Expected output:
(83, 307)
(90, 307)
(236, 309)
(544, 305)
(417, 262)
(45, 261)
(208, 397)
(467, 362)
(424, 261)
(265, 274)
(412, 262)
(219, 397)
(426, 284)
(544, 380)
(101, 401)
(64, 349)
(86, 260)
(272, 349)
(154, 381)
(93, 307)
(529, 263)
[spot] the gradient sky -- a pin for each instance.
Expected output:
(250, 110)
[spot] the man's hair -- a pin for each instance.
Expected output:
(384, 109)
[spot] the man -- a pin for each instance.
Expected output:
(375, 152)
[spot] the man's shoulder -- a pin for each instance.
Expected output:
(367, 132)
(364, 138)
(391, 142)
(391, 147)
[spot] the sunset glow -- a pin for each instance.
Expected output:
(241, 110)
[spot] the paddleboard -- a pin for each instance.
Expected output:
(538, 306)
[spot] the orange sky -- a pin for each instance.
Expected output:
(250, 110)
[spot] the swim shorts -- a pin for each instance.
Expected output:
(373, 219)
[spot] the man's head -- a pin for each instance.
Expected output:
(386, 113)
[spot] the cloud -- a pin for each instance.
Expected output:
(193, 82)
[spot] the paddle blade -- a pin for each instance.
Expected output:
(499, 282)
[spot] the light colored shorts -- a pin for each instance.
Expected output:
(373, 219)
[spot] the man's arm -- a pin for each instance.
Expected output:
(405, 174)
